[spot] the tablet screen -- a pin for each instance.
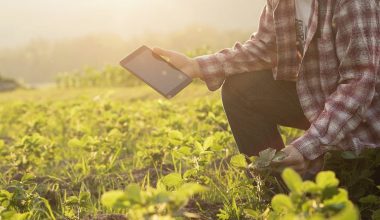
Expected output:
(155, 71)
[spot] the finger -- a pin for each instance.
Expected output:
(300, 168)
(280, 161)
(287, 161)
(165, 53)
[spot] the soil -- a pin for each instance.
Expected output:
(206, 211)
(106, 217)
(139, 175)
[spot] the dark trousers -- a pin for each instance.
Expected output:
(255, 105)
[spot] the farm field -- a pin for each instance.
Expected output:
(126, 153)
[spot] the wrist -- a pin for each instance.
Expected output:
(196, 68)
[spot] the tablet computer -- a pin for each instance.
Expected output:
(156, 72)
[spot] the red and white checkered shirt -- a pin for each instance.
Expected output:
(337, 76)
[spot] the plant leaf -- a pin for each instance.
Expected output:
(292, 180)
(348, 155)
(133, 193)
(111, 198)
(251, 213)
(282, 204)
(350, 212)
(239, 161)
(327, 179)
(172, 180)
(267, 154)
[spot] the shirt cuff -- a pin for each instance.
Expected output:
(212, 71)
(309, 146)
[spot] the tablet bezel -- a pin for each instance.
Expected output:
(172, 92)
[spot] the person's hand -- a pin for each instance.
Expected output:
(294, 160)
(181, 61)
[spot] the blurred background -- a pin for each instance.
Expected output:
(44, 41)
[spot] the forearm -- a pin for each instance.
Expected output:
(346, 108)
(255, 54)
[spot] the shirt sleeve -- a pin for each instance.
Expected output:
(255, 54)
(357, 48)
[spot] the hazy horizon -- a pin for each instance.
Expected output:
(24, 21)
(42, 38)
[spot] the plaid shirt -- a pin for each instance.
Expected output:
(337, 75)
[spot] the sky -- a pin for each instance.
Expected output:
(24, 20)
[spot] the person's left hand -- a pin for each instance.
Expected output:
(294, 160)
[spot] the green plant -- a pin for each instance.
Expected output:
(58, 157)
(109, 76)
(356, 173)
(321, 199)
(371, 203)
(154, 203)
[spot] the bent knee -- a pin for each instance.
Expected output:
(246, 84)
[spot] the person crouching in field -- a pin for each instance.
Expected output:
(313, 65)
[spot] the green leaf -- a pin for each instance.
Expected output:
(112, 198)
(5, 195)
(250, 213)
(265, 158)
(75, 143)
(172, 180)
(317, 216)
(267, 154)
(185, 151)
(310, 187)
(176, 135)
(370, 199)
(190, 173)
(239, 161)
(282, 204)
(72, 200)
(209, 142)
(376, 214)
(292, 180)
(349, 213)
(185, 192)
(348, 155)
(190, 189)
(327, 179)
(48, 207)
(28, 176)
(12, 215)
(337, 200)
(161, 197)
(133, 193)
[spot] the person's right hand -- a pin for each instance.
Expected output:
(185, 64)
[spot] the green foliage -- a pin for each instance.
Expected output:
(153, 203)
(264, 161)
(321, 199)
(110, 76)
(239, 161)
(68, 159)
(356, 173)
(9, 84)
(21, 201)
